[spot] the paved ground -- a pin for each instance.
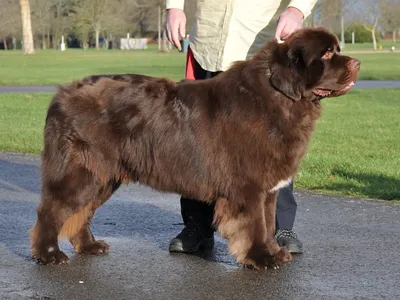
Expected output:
(351, 250)
(364, 84)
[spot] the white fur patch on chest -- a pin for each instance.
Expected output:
(281, 184)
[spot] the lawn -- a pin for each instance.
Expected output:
(383, 45)
(354, 150)
(379, 66)
(55, 67)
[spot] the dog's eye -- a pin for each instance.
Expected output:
(328, 54)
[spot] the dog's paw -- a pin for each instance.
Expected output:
(51, 256)
(283, 256)
(261, 259)
(267, 262)
(94, 248)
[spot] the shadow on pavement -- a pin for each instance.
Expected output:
(375, 186)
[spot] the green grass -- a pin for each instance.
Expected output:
(379, 66)
(383, 45)
(55, 67)
(354, 150)
(22, 120)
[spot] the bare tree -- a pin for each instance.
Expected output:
(371, 16)
(27, 27)
(390, 16)
(118, 20)
(332, 14)
(10, 22)
(61, 18)
(41, 20)
(94, 13)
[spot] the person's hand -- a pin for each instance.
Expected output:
(176, 26)
(289, 21)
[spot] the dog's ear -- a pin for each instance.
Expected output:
(286, 72)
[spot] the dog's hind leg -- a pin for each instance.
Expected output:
(65, 206)
(83, 239)
(241, 220)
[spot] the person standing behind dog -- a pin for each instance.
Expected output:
(225, 31)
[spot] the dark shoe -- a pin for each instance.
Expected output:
(193, 237)
(288, 239)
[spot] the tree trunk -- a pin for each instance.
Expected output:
(159, 28)
(14, 42)
(56, 39)
(26, 27)
(374, 38)
(394, 36)
(164, 46)
(373, 33)
(44, 46)
(48, 38)
(5, 43)
(342, 30)
(97, 39)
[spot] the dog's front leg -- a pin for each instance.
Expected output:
(280, 255)
(241, 219)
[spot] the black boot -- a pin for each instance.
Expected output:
(198, 231)
(288, 239)
(193, 237)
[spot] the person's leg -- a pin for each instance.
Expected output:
(286, 208)
(197, 216)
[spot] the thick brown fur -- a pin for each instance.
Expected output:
(233, 138)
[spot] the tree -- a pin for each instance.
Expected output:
(61, 18)
(390, 20)
(41, 20)
(332, 14)
(26, 27)
(10, 22)
(371, 16)
(94, 13)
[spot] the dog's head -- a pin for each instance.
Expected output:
(309, 64)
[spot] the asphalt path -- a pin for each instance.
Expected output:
(351, 250)
(361, 84)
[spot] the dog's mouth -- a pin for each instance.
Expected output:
(327, 92)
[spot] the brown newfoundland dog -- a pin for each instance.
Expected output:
(236, 138)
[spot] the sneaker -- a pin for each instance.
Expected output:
(193, 237)
(288, 239)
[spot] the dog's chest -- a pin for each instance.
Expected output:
(281, 184)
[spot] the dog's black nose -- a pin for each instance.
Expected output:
(355, 64)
